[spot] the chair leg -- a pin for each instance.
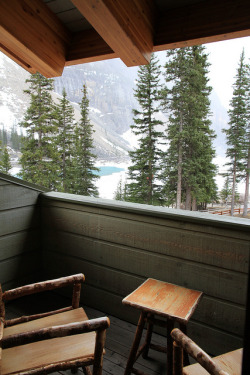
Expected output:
(170, 327)
(86, 370)
(99, 347)
(148, 340)
(134, 348)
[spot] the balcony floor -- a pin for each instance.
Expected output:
(120, 335)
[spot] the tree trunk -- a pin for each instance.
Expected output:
(233, 190)
(179, 170)
(188, 199)
(247, 186)
(194, 204)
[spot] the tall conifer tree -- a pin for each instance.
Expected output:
(39, 155)
(236, 133)
(247, 143)
(85, 172)
(65, 142)
(189, 173)
(143, 185)
(5, 164)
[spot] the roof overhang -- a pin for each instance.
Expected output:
(46, 35)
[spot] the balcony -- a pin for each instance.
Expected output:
(117, 246)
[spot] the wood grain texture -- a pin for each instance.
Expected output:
(88, 46)
(127, 30)
(225, 364)
(220, 314)
(43, 286)
(71, 316)
(33, 36)
(202, 23)
(165, 299)
(215, 282)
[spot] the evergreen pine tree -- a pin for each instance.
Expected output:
(39, 155)
(236, 132)
(5, 164)
(143, 185)
(85, 172)
(247, 142)
(226, 192)
(15, 139)
(65, 142)
(188, 173)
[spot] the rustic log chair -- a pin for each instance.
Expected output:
(225, 364)
(58, 340)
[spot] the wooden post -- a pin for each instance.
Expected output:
(98, 357)
(76, 295)
(177, 359)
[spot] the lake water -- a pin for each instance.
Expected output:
(107, 170)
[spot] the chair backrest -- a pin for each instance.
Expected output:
(181, 341)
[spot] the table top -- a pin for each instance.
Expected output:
(164, 299)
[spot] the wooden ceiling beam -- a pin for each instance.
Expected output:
(125, 25)
(201, 23)
(87, 46)
(33, 36)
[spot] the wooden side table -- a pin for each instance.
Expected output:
(169, 301)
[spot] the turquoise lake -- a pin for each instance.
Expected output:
(106, 170)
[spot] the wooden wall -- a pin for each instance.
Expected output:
(20, 241)
(118, 245)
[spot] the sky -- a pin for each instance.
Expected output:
(224, 58)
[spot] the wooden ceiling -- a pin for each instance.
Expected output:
(46, 35)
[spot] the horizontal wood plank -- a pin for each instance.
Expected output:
(121, 283)
(167, 217)
(202, 23)
(19, 219)
(15, 196)
(19, 243)
(214, 251)
(20, 266)
(87, 46)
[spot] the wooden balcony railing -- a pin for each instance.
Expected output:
(118, 245)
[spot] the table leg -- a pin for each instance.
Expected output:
(148, 339)
(134, 348)
(170, 327)
(186, 361)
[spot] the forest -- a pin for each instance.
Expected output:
(172, 167)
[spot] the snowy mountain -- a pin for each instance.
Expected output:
(110, 90)
(108, 141)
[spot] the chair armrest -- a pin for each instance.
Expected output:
(98, 324)
(196, 352)
(42, 286)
